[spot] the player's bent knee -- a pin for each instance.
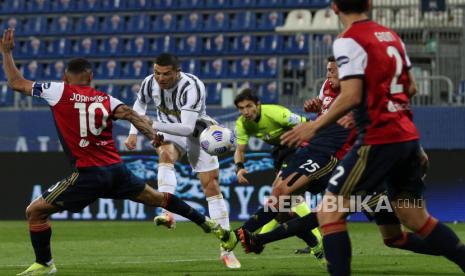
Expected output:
(167, 157)
(36, 210)
(329, 217)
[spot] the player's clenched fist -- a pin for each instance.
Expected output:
(312, 105)
(131, 142)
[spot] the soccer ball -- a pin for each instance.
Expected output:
(217, 140)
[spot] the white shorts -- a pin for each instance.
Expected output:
(199, 160)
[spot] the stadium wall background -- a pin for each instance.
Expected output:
(31, 161)
(26, 175)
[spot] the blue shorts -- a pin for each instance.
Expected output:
(367, 167)
(86, 185)
(315, 164)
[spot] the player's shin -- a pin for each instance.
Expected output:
(412, 242)
(218, 210)
(262, 216)
(175, 205)
(443, 241)
(166, 178)
(40, 238)
(338, 251)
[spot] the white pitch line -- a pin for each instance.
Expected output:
(160, 261)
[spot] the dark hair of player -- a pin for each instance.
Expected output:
(78, 66)
(352, 6)
(246, 94)
(331, 59)
(167, 59)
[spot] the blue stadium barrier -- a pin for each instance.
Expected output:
(217, 21)
(295, 44)
(33, 48)
(267, 68)
(136, 47)
(189, 45)
(217, 4)
(214, 93)
(165, 22)
(36, 25)
(164, 43)
(139, 5)
(88, 5)
(268, 21)
(108, 70)
(268, 93)
(215, 45)
(191, 22)
(111, 47)
(242, 68)
(56, 29)
(136, 69)
(86, 46)
(138, 24)
(269, 3)
(242, 21)
(6, 95)
(191, 66)
(165, 4)
(242, 44)
(269, 44)
(87, 25)
(191, 4)
(113, 24)
(214, 69)
(13, 22)
(12, 6)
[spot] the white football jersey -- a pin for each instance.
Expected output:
(188, 94)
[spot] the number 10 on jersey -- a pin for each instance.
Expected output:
(88, 114)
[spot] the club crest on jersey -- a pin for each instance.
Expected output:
(83, 143)
(38, 88)
(294, 119)
(342, 60)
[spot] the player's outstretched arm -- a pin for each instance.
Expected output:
(141, 108)
(14, 77)
(142, 123)
(349, 97)
(239, 159)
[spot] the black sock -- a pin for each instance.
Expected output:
(260, 218)
(445, 242)
(411, 242)
(175, 205)
(40, 238)
(308, 238)
(338, 252)
(297, 226)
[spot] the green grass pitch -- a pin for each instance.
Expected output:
(140, 248)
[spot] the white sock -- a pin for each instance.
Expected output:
(166, 179)
(218, 210)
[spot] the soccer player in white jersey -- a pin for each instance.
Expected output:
(179, 100)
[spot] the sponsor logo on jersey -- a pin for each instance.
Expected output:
(83, 143)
